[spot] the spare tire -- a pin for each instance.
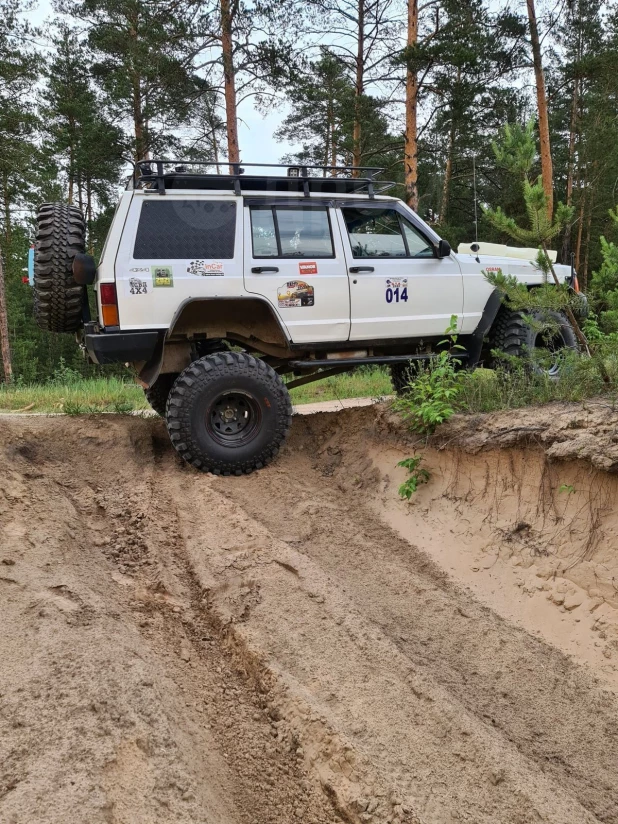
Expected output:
(57, 297)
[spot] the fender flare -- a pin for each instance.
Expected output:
(150, 371)
(492, 307)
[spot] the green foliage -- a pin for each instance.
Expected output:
(416, 476)
(434, 389)
(516, 151)
(604, 283)
(568, 488)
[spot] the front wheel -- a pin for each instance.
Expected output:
(513, 335)
(228, 413)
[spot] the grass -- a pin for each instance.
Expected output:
(76, 396)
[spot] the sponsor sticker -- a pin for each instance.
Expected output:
(295, 293)
(206, 269)
(307, 268)
(496, 269)
(138, 286)
(396, 290)
(162, 276)
(143, 269)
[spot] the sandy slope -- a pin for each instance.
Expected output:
(299, 645)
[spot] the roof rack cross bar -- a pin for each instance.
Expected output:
(162, 174)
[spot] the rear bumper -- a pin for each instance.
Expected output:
(120, 347)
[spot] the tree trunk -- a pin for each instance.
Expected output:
(5, 349)
(448, 174)
(541, 99)
(570, 166)
(359, 89)
(584, 277)
(8, 229)
(568, 311)
(580, 224)
(229, 79)
(410, 151)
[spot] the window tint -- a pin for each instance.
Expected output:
(182, 229)
(291, 232)
(383, 233)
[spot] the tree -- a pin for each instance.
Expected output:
(87, 147)
(143, 61)
(541, 102)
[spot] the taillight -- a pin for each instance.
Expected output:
(109, 304)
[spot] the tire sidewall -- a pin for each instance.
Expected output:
(565, 330)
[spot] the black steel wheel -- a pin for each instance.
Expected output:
(228, 413)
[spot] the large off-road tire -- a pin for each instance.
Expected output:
(513, 336)
(400, 376)
(228, 413)
(157, 394)
(57, 297)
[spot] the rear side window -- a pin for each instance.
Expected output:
(182, 229)
(291, 232)
(384, 233)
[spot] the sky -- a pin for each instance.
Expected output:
(255, 132)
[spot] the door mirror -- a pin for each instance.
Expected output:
(84, 269)
(444, 249)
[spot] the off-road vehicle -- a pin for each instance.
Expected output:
(213, 287)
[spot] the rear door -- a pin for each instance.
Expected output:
(399, 288)
(296, 261)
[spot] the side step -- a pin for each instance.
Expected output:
(377, 359)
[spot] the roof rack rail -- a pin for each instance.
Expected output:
(162, 175)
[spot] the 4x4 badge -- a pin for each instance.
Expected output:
(138, 287)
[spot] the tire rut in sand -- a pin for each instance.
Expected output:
(296, 659)
(119, 698)
(545, 715)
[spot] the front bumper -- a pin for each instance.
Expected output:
(119, 347)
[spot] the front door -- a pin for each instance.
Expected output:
(399, 288)
(295, 260)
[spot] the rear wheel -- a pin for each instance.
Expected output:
(514, 336)
(228, 413)
(58, 299)
(157, 394)
(401, 375)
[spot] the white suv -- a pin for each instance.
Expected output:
(214, 286)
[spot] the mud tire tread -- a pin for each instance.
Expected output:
(57, 298)
(158, 393)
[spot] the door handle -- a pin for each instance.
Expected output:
(354, 270)
(259, 270)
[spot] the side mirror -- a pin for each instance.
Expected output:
(84, 269)
(444, 249)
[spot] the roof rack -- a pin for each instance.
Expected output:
(163, 175)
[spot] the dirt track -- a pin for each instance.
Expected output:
(299, 645)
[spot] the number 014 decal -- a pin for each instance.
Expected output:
(397, 290)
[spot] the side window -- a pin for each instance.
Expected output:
(383, 233)
(418, 246)
(181, 229)
(291, 232)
